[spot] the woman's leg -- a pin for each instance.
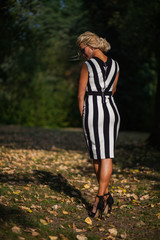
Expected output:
(105, 175)
(103, 170)
(97, 165)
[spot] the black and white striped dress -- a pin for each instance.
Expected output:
(100, 116)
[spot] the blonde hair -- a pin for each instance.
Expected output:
(92, 40)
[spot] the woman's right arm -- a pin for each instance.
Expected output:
(115, 84)
(82, 87)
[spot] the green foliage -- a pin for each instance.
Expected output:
(38, 85)
(37, 89)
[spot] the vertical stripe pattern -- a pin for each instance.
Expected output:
(101, 119)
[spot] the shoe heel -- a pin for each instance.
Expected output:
(100, 208)
(109, 204)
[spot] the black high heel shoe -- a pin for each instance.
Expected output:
(109, 203)
(100, 208)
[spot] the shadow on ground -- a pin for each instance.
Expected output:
(132, 150)
(40, 138)
(60, 184)
(14, 214)
(56, 182)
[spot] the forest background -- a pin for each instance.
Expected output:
(39, 80)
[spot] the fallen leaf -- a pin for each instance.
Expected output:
(152, 205)
(123, 206)
(52, 212)
(158, 215)
(49, 220)
(135, 202)
(17, 192)
(53, 237)
(101, 229)
(124, 181)
(128, 195)
(113, 231)
(55, 207)
(35, 234)
(62, 226)
(134, 196)
(44, 222)
(88, 221)
(81, 237)
(77, 229)
(16, 229)
(144, 197)
(86, 186)
(63, 237)
(65, 212)
(29, 210)
(123, 235)
(26, 209)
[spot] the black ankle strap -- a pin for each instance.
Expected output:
(100, 196)
(106, 194)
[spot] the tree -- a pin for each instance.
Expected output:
(132, 28)
(37, 84)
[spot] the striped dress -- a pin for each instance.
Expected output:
(100, 116)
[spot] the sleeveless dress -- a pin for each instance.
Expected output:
(100, 117)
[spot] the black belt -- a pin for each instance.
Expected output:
(100, 93)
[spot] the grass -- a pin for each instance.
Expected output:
(48, 186)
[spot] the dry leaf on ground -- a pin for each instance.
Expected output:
(44, 222)
(158, 215)
(16, 229)
(65, 212)
(88, 221)
(134, 196)
(53, 237)
(123, 206)
(144, 197)
(81, 237)
(26, 209)
(123, 235)
(86, 186)
(63, 237)
(35, 234)
(113, 231)
(77, 229)
(101, 229)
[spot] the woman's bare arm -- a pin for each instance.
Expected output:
(115, 84)
(82, 86)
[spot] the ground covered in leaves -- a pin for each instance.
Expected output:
(47, 186)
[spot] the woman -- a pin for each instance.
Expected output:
(101, 120)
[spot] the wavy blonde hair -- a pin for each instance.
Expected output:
(92, 40)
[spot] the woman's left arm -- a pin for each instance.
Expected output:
(82, 86)
(115, 84)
